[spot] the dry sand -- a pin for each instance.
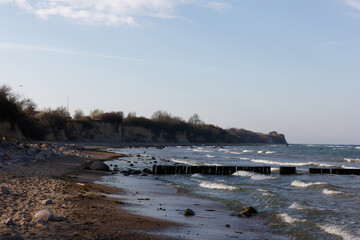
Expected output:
(83, 210)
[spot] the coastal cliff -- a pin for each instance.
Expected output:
(99, 131)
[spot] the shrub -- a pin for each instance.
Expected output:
(79, 114)
(54, 119)
(110, 117)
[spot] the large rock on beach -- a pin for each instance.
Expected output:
(146, 170)
(189, 212)
(45, 215)
(4, 190)
(98, 165)
(250, 210)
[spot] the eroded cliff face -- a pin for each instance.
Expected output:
(97, 131)
(10, 131)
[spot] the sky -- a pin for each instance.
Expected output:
(262, 65)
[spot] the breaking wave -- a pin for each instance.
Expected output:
(301, 184)
(339, 231)
(219, 186)
(252, 175)
(289, 219)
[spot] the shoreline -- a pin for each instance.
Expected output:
(89, 209)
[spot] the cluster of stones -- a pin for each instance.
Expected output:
(22, 153)
(246, 212)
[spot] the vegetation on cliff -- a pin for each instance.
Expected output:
(161, 127)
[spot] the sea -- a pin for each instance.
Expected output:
(299, 206)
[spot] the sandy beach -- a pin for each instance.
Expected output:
(82, 209)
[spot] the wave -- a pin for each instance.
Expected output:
(201, 150)
(280, 163)
(259, 152)
(223, 150)
(301, 184)
(197, 175)
(236, 153)
(339, 231)
(252, 175)
(298, 164)
(183, 161)
(289, 219)
(212, 164)
(352, 159)
(297, 206)
(210, 156)
(348, 167)
(248, 151)
(219, 186)
(357, 147)
(330, 192)
(270, 152)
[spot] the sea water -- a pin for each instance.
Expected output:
(301, 206)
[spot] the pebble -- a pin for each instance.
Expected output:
(5, 190)
(47, 202)
(9, 222)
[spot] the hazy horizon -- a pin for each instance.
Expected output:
(290, 67)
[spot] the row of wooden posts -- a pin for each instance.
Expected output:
(228, 170)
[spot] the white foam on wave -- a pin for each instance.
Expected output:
(352, 159)
(289, 219)
(259, 152)
(299, 164)
(270, 152)
(297, 206)
(274, 169)
(183, 161)
(197, 175)
(348, 167)
(223, 150)
(210, 156)
(252, 175)
(338, 231)
(301, 184)
(201, 150)
(236, 153)
(357, 147)
(248, 151)
(219, 186)
(212, 164)
(330, 192)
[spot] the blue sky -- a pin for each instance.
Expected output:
(289, 66)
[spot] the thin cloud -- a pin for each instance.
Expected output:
(353, 3)
(21, 47)
(111, 12)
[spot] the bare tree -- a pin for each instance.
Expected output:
(195, 119)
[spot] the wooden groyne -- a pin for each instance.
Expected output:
(228, 170)
(287, 170)
(338, 171)
(214, 170)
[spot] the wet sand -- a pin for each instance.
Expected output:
(149, 197)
